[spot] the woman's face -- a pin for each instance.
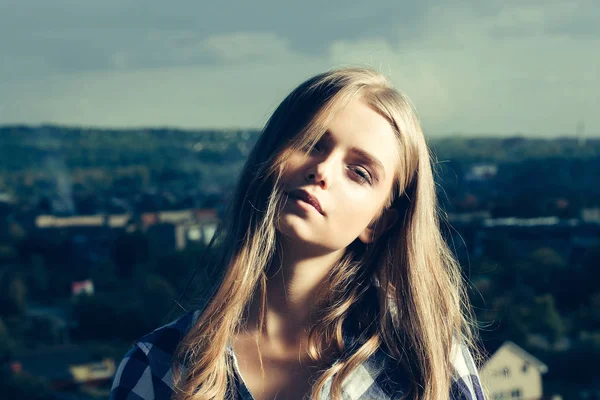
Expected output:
(338, 190)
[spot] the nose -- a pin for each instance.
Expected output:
(319, 174)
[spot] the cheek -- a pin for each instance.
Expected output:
(363, 209)
(357, 212)
(290, 169)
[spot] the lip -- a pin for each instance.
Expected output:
(306, 197)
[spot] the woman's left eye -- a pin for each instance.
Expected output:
(361, 174)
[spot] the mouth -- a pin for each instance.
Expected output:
(306, 197)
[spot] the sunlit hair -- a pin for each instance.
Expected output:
(405, 291)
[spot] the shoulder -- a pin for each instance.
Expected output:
(389, 377)
(466, 384)
(145, 371)
(163, 341)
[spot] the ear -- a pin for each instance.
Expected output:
(378, 227)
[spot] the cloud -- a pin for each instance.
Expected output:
(466, 77)
(246, 47)
(515, 66)
(233, 95)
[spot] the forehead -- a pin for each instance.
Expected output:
(358, 125)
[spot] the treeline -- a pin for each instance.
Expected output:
(138, 288)
(545, 303)
(23, 147)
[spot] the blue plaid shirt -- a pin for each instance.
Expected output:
(145, 372)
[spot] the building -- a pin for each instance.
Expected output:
(512, 373)
(93, 236)
(200, 231)
(569, 238)
(82, 287)
(590, 215)
(481, 172)
(176, 229)
(65, 367)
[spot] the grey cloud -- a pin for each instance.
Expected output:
(82, 36)
(575, 19)
(583, 26)
(468, 64)
(78, 36)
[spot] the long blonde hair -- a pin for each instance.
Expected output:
(405, 290)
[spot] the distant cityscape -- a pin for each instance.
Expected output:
(97, 226)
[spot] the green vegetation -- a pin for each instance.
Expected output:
(540, 296)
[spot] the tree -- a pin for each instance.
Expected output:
(548, 258)
(110, 316)
(540, 270)
(22, 386)
(545, 319)
(39, 279)
(6, 343)
(13, 294)
(157, 296)
(177, 266)
(129, 251)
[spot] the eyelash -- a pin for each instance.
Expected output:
(317, 147)
(363, 175)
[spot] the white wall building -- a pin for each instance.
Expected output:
(513, 374)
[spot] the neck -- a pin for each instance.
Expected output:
(293, 285)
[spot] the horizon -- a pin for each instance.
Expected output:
(448, 135)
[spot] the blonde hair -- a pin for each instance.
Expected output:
(405, 289)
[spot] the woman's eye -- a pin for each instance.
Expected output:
(362, 175)
(317, 148)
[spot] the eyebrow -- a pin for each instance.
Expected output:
(369, 158)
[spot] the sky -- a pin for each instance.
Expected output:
(477, 68)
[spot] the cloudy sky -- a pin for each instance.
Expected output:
(476, 67)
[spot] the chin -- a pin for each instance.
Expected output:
(293, 232)
(299, 231)
(308, 241)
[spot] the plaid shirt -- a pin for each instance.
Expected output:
(145, 372)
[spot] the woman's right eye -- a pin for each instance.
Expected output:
(316, 148)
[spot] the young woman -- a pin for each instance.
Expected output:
(336, 282)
